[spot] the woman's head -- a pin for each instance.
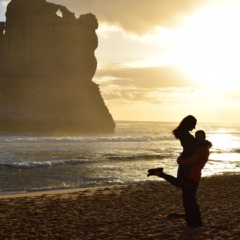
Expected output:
(187, 124)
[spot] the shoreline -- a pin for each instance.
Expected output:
(56, 192)
(93, 189)
(120, 212)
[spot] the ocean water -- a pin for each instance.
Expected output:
(33, 162)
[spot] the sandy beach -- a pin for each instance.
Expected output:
(140, 211)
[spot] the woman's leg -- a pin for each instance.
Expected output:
(159, 173)
(172, 180)
(182, 174)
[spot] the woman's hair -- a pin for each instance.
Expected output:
(184, 126)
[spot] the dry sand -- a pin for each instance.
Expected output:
(122, 212)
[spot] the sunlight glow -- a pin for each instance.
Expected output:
(5, 3)
(208, 47)
(225, 142)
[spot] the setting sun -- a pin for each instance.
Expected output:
(208, 48)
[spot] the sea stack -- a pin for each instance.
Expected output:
(47, 63)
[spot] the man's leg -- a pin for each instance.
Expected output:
(193, 216)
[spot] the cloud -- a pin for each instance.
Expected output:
(148, 77)
(115, 95)
(124, 85)
(135, 16)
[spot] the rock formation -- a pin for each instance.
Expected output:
(47, 63)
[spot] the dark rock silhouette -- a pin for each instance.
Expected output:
(47, 63)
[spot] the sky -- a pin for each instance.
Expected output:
(160, 60)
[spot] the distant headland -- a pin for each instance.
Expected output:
(47, 63)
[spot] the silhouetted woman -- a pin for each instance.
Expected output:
(188, 142)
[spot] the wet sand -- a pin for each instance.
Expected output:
(122, 212)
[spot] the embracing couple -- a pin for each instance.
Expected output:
(191, 161)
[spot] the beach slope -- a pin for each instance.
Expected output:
(122, 212)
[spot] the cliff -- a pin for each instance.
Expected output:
(47, 63)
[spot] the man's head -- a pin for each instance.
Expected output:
(200, 135)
